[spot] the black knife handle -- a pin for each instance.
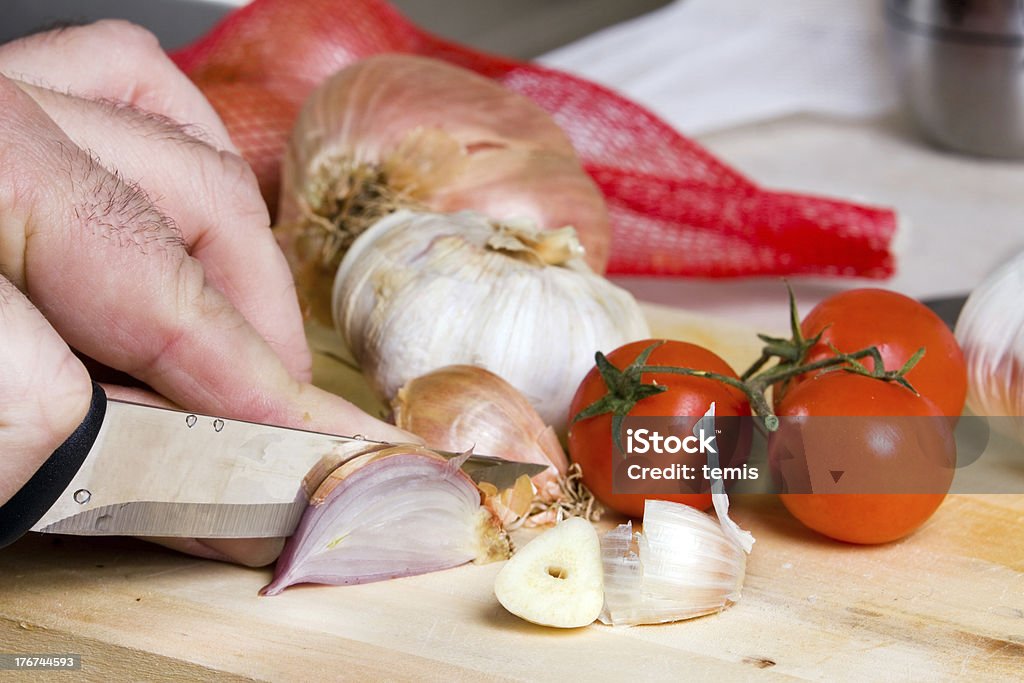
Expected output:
(31, 502)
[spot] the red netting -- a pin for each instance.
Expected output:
(676, 209)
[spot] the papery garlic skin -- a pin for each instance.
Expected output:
(991, 332)
(419, 291)
(682, 566)
(462, 407)
(394, 511)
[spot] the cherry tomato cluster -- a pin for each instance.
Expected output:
(844, 379)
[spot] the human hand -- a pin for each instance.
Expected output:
(128, 238)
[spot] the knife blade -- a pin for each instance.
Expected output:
(133, 469)
(948, 308)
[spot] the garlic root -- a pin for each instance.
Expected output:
(396, 131)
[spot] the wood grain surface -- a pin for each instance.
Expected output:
(947, 602)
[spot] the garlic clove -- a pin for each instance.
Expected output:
(462, 407)
(393, 511)
(556, 579)
(682, 566)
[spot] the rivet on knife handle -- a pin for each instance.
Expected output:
(31, 502)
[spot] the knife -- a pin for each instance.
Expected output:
(947, 308)
(136, 470)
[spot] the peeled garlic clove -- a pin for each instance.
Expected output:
(991, 332)
(462, 407)
(394, 511)
(682, 566)
(556, 579)
(419, 291)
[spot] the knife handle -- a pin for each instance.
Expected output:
(31, 502)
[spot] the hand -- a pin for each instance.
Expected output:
(142, 244)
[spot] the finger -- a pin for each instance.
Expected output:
(112, 275)
(136, 395)
(45, 391)
(116, 60)
(215, 202)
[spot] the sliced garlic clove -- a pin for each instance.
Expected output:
(556, 579)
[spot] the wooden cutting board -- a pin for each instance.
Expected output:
(946, 602)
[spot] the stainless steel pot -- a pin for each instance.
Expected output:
(960, 66)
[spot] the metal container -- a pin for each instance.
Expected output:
(960, 66)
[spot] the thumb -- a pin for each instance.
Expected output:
(45, 391)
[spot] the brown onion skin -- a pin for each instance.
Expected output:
(510, 158)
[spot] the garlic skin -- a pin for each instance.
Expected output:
(991, 332)
(419, 291)
(682, 566)
(462, 407)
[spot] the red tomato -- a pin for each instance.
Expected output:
(906, 448)
(898, 326)
(590, 439)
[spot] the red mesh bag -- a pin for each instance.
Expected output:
(675, 208)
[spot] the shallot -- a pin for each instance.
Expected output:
(393, 511)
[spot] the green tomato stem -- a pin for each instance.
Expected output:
(755, 387)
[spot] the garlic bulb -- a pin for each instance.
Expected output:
(991, 332)
(682, 566)
(419, 291)
(463, 407)
(393, 511)
(397, 131)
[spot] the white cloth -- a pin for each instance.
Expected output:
(705, 65)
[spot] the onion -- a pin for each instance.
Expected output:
(393, 511)
(398, 131)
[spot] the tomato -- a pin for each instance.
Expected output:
(590, 439)
(898, 326)
(912, 447)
